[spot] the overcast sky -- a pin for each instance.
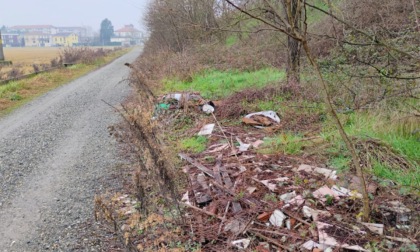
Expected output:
(73, 12)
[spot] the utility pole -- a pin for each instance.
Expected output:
(2, 61)
(1, 49)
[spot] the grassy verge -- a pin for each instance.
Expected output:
(17, 93)
(216, 84)
(395, 134)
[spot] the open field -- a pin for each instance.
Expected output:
(31, 55)
(24, 58)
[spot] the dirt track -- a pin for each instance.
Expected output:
(55, 155)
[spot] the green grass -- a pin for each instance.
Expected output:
(194, 144)
(11, 87)
(216, 84)
(388, 131)
(286, 143)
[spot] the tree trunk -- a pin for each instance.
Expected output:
(293, 46)
(293, 61)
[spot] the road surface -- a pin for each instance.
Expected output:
(55, 155)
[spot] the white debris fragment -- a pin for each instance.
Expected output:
(287, 196)
(206, 130)
(242, 243)
(322, 192)
(242, 146)
(329, 174)
(277, 218)
(344, 192)
(329, 241)
(375, 227)
(309, 245)
(306, 168)
(307, 211)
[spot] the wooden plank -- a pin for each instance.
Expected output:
(228, 182)
(216, 170)
(196, 164)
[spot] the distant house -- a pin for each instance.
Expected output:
(46, 29)
(37, 39)
(12, 40)
(128, 35)
(65, 39)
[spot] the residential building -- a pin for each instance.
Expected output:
(37, 39)
(46, 29)
(65, 39)
(128, 35)
(12, 40)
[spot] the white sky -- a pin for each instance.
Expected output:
(73, 12)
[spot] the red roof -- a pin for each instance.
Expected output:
(31, 26)
(128, 28)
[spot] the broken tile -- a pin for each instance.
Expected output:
(264, 217)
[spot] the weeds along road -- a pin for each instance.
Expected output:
(55, 154)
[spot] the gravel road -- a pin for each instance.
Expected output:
(55, 155)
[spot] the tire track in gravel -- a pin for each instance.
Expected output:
(55, 154)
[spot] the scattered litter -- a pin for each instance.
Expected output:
(323, 192)
(264, 216)
(287, 196)
(206, 130)
(344, 192)
(310, 245)
(242, 146)
(261, 119)
(396, 213)
(329, 241)
(306, 168)
(277, 218)
(329, 174)
(298, 200)
(207, 108)
(257, 144)
(271, 186)
(307, 211)
(242, 243)
(251, 189)
(236, 226)
(217, 148)
(375, 227)
(186, 199)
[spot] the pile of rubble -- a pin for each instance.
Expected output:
(269, 203)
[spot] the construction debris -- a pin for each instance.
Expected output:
(206, 130)
(262, 119)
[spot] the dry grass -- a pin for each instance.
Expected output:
(16, 93)
(24, 58)
(31, 55)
